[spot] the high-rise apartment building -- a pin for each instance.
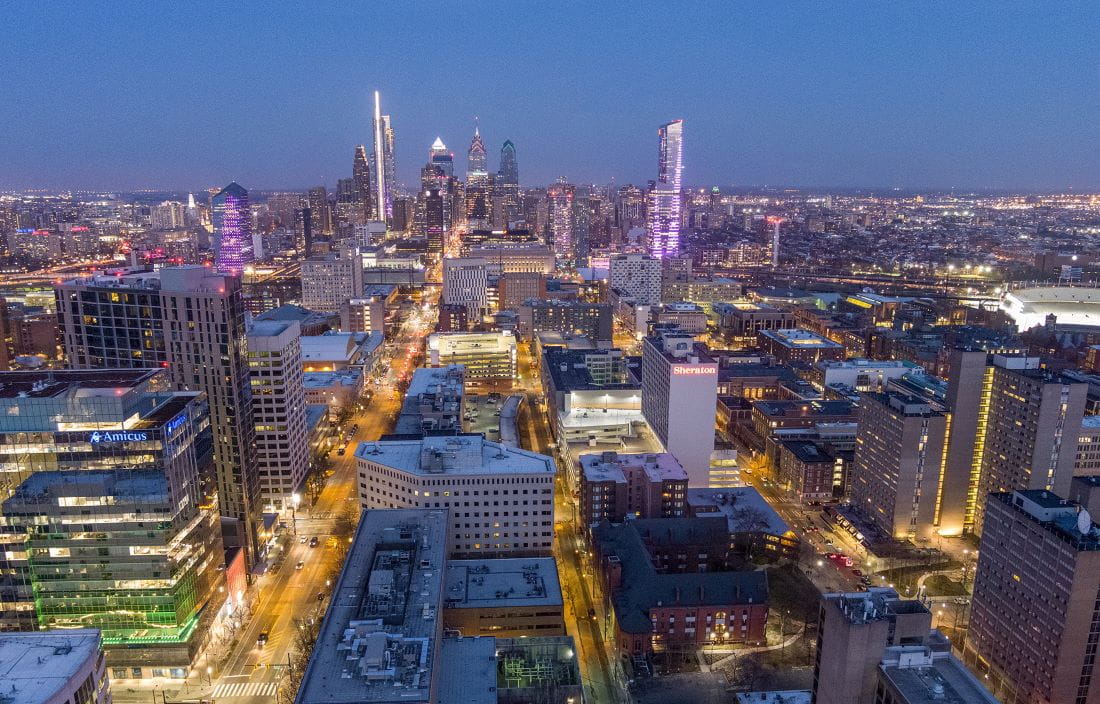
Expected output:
(665, 198)
(569, 318)
(1013, 426)
(232, 219)
(331, 280)
(559, 198)
(500, 499)
(899, 461)
(679, 398)
(278, 411)
(465, 281)
(190, 321)
(1035, 615)
(637, 275)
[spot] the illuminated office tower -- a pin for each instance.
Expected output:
(360, 173)
(232, 229)
(190, 321)
(442, 158)
(104, 519)
(665, 200)
(506, 203)
(560, 215)
(382, 162)
(477, 170)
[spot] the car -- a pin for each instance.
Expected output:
(857, 573)
(300, 565)
(261, 641)
(592, 614)
(303, 540)
(320, 596)
(313, 542)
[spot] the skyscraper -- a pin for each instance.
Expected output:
(477, 171)
(508, 175)
(442, 158)
(190, 321)
(360, 172)
(665, 199)
(383, 162)
(322, 213)
(560, 202)
(232, 229)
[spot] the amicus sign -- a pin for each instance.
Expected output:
(173, 425)
(117, 436)
(684, 370)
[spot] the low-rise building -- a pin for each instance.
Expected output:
(484, 355)
(54, 667)
(334, 351)
(798, 345)
(807, 471)
(614, 486)
(740, 321)
(338, 390)
(757, 531)
(367, 313)
(656, 611)
(380, 638)
(501, 499)
(507, 597)
(859, 373)
(688, 317)
(434, 401)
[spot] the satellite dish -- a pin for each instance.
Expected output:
(1084, 521)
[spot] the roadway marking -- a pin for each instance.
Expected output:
(245, 689)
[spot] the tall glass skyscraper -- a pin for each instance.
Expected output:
(665, 200)
(360, 173)
(508, 175)
(477, 170)
(382, 163)
(232, 229)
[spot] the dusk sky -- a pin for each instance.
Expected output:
(188, 95)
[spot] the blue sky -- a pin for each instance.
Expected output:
(921, 94)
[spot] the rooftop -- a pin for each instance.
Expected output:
(611, 467)
(798, 338)
(791, 409)
(875, 604)
(643, 588)
(472, 584)
(268, 328)
(291, 312)
(65, 382)
(379, 638)
(323, 380)
(787, 696)
(140, 485)
(468, 671)
(454, 455)
(731, 502)
(343, 347)
(36, 666)
(926, 676)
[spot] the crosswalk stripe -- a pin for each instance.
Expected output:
(245, 689)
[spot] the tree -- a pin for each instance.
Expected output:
(306, 631)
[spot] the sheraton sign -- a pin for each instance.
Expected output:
(683, 370)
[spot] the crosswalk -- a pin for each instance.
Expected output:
(244, 689)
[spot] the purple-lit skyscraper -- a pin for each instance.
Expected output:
(665, 200)
(232, 229)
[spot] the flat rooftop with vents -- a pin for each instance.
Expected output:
(380, 639)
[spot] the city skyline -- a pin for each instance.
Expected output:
(789, 97)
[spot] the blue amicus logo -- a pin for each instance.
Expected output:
(97, 437)
(173, 425)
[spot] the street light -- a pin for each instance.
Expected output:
(295, 501)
